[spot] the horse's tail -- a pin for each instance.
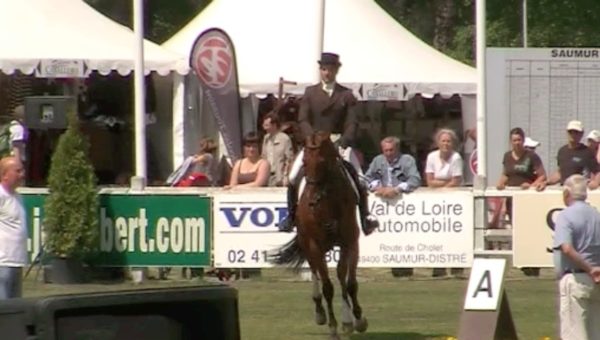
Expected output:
(290, 254)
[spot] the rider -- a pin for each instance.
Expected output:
(329, 106)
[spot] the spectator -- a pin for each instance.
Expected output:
(277, 150)
(531, 144)
(443, 170)
(204, 161)
(593, 141)
(18, 134)
(521, 167)
(13, 229)
(576, 158)
(444, 165)
(390, 174)
(252, 170)
(577, 262)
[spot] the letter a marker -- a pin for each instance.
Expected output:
(486, 314)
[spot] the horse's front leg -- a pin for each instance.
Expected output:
(327, 287)
(314, 261)
(320, 317)
(342, 273)
(360, 322)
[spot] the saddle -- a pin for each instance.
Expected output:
(347, 169)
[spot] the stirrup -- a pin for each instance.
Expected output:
(287, 225)
(369, 224)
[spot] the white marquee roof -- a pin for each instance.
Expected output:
(279, 38)
(36, 30)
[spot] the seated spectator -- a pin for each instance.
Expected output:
(204, 161)
(277, 150)
(390, 174)
(252, 170)
(593, 141)
(444, 166)
(530, 144)
(443, 170)
(521, 167)
(576, 158)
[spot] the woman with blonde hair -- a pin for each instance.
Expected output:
(444, 169)
(444, 166)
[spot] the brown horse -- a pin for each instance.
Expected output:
(326, 217)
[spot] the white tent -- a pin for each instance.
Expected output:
(280, 38)
(37, 30)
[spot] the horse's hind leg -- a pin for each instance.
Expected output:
(360, 322)
(320, 317)
(342, 272)
(328, 294)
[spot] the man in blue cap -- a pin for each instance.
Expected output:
(331, 107)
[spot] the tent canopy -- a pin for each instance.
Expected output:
(279, 38)
(43, 30)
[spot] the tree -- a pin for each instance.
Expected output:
(551, 23)
(162, 18)
(445, 14)
(71, 208)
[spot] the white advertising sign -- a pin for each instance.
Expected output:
(429, 229)
(245, 227)
(422, 229)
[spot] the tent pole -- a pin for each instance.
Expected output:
(320, 33)
(524, 18)
(139, 180)
(178, 119)
(481, 133)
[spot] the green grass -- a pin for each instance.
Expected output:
(278, 306)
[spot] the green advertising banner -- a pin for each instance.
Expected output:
(142, 230)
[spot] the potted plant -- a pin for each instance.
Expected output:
(71, 208)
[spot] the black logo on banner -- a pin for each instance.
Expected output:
(551, 221)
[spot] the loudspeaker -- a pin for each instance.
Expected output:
(204, 312)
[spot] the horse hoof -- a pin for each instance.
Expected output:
(320, 319)
(361, 325)
(347, 328)
(334, 337)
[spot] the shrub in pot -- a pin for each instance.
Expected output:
(71, 208)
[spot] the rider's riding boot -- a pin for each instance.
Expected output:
(369, 222)
(287, 224)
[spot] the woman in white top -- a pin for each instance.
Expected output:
(444, 167)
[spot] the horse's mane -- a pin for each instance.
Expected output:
(321, 140)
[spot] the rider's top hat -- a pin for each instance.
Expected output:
(328, 58)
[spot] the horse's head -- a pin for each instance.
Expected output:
(319, 155)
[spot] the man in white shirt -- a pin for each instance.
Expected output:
(13, 229)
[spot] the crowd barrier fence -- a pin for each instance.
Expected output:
(201, 227)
